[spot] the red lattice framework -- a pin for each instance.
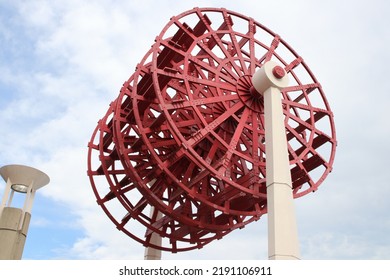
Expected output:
(182, 147)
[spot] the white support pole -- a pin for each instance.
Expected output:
(152, 253)
(282, 226)
(283, 241)
(7, 198)
(28, 202)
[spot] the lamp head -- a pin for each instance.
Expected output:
(21, 188)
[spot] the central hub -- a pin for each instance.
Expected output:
(250, 89)
(249, 95)
(269, 75)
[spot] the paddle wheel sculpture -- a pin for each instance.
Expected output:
(181, 152)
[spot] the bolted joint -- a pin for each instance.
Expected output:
(278, 72)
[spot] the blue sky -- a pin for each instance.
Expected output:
(63, 62)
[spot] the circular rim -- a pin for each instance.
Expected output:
(187, 131)
(308, 126)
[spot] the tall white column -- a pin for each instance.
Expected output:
(283, 241)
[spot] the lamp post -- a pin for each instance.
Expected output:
(14, 222)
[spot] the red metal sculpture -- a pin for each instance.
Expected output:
(182, 147)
